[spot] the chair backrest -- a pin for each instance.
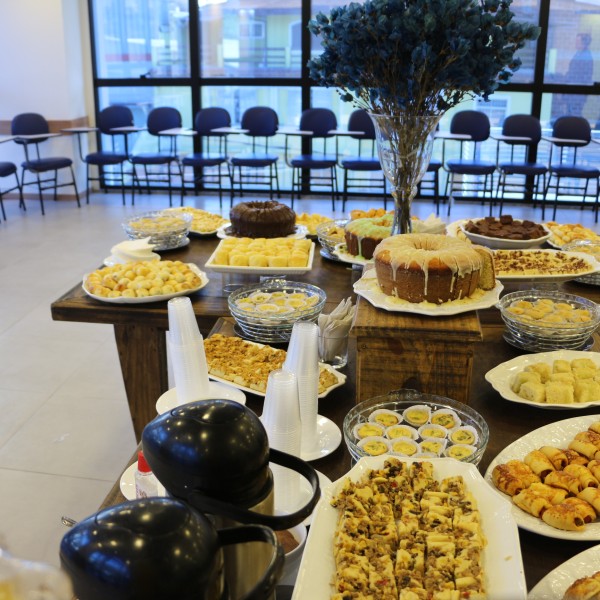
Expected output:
(207, 119)
(318, 120)
(29, 124)
(473, 123)
(573, 128)
(161, 118)
(522, 126)
(114, 116)
(361, 121)
(260, 121)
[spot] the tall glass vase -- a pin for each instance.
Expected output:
(404, 146)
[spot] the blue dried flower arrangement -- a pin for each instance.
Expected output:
(418, 56)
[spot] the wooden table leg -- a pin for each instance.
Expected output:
(143, 357)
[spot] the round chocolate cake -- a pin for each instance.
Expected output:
(269, 219)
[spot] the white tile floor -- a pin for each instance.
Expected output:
(65, 431)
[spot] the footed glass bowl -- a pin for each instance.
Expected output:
(166, 230)
(397, 402)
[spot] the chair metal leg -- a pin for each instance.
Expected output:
(39, 182)
(2, 207)
(75, 187)
(87, 183)
(122, 184)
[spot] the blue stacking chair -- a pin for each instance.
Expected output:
(35, 131)
(153, 163)
(205, 121)
(363, 162)
(6, 170)
(261, 124)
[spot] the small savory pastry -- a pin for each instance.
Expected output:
(590, 437)
(464, 435)
(544, 370)
(559, 392)
(594, 467)
(460, 451)
(363, 430)
(585, 476)
(557, 457)
(552, 494)
(524, 377)
(563, 480)
(539, 463)
(385, 417)
(374, 446)
(513, 476)
(404, 446)
(531, 502)
(432, 431)
(592, 496)
(585, 588)
(595, 426)
(433, 445)
(574, 457)
(533, 391)
(446, 418)
(396, 431)
(587, 449)
(567, 516)
(417, 415)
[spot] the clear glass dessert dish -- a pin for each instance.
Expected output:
(542, 321)
(266, 311)
(165, 229)
(461, 418)
(331, 234)
(588, 247)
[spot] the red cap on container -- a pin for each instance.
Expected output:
(143, 466)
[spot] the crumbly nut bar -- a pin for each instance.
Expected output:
(248, 364)
(537, 262)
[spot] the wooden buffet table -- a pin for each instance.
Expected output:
(139, 332)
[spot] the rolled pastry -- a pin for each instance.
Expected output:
(585, 476)
(592, 496)
(587, 449)
(531, 502)
(513, 477)
(539, 463)
(554, 495)
(563, 480)
(594, 467)
(591, 437)
(569, 515)
(595, 426)
(586, 588)
(575, 458)
(557, 457)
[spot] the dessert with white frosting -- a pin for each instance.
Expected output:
(132, 251)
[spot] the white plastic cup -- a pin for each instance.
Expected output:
(281, 411)
(190, 370)
(183, 327)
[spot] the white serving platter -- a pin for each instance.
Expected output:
(502, 563)
(557, 434)
(502, 376)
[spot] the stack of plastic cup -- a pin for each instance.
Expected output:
(281, 419)
(186, 350)
(303, 360)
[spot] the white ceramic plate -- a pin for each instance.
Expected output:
(368, 287)
(502, 376)
(220, 391)
(343, 255)
(300, 233)
(123, 300)
(555, 584)
(557, 434)
(500, 243)
(550, 277)
(261, 270)
(329, 437)
(502, 561)
(454, 230)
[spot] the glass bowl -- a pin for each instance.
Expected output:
(267, 311)
(331, 234)
(165, 229)
(588, 247)
(543, 333)
(400, 400)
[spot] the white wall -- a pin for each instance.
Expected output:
(45, 68)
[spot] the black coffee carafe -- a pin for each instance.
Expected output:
(214, 455)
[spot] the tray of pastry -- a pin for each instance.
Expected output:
(543, 265)
(204, 223)
(246, 365)
(274, 256)
(551, 475)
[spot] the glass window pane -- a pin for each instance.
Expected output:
(141, 100)
(141, 38)
(572, 45)
(246, 39)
